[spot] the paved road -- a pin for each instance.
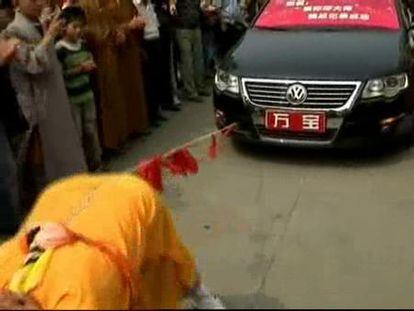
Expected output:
(289, 228)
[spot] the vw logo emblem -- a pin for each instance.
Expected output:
(296, 94)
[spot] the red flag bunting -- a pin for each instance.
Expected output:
(150, 170)
(182, 163)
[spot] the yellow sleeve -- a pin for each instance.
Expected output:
(166, 262)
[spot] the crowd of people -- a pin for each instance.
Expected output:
(87, 75)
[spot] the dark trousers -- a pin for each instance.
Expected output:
(189, 42)
(166, 70)
(9, 189)
(157, 76)
(151, 75)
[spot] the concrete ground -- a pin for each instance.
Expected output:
(291, 228)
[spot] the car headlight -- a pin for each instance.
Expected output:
(385, 87)
(226, 82)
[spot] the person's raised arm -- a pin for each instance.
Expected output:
(34, 58)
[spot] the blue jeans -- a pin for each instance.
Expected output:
(9, 190)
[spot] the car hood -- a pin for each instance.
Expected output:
(331, 55)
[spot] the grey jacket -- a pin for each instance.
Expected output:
(37, 78)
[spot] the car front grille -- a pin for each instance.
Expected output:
(321, 94)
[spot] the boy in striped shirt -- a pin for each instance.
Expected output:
(77, 64)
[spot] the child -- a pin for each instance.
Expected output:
(78, 63)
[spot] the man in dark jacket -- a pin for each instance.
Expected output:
(187, 14)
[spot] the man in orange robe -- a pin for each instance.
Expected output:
(115, 247)
(113, 34)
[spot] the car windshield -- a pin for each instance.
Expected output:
(370, 14)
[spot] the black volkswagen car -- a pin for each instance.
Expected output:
(318, 73)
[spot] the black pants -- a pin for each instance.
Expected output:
(166, 72)
(157, 76)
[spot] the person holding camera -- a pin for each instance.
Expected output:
(51, 147)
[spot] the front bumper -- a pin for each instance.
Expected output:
(364, 120)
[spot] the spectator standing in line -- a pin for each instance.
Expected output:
(233, 24)
(51, 148)
(77, 63)
(210, 27)
(156, 86)
(187, 14)
(170, 99)
(112, 34)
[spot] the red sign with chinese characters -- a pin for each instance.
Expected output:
(295, 121)
(329, 13)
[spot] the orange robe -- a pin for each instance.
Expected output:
(121, 211)
(120, 92)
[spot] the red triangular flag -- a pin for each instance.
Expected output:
(150, 170)
(212, 150)
(191, 163)
(182, 163)
(173, 163)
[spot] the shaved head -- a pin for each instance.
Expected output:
(12, 301)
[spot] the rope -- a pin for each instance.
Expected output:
(199, 139)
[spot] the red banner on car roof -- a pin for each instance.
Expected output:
(329, 13)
